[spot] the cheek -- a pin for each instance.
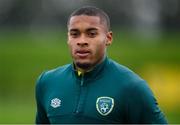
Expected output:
(70, 47)
(100, 49)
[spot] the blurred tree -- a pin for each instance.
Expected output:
(145, 16)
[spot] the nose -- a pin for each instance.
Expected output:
(82, 42)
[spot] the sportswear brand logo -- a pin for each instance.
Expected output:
(55, 102)
(104, 105)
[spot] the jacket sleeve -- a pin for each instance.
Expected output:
(142, 106)
(41, 116)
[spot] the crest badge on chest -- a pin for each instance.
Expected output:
(104, 105)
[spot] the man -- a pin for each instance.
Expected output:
(94, 88)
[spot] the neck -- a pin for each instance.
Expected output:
(84, 70)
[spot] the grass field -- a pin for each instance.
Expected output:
(24, 56)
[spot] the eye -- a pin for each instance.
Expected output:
(92, 34)
(74, 34)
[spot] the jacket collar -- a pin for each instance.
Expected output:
(94, 73)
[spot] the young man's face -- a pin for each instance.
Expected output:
(88, 38)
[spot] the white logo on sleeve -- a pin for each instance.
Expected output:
(55, 102)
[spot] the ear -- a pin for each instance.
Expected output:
(109, 37)
(67, 37)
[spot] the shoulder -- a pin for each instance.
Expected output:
(50, 75)
(57, 71)
(136, 87)
(131, 80)
(123, 72)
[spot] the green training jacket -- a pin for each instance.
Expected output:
(110, 93)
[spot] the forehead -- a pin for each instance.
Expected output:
(83, 21)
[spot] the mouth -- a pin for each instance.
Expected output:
(82, 53)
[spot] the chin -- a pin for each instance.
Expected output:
(84, 65)
(83, 61)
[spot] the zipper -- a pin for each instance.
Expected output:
(82, 80)
(80, 98)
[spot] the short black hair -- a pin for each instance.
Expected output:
(91, 11)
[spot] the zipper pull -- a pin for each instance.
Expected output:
(80, 74)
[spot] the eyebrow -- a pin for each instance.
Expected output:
(71, 30)
(88, 29)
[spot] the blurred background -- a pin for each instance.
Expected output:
(33, 39)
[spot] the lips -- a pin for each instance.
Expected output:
(82, 53)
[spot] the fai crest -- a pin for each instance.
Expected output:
(104, 105)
